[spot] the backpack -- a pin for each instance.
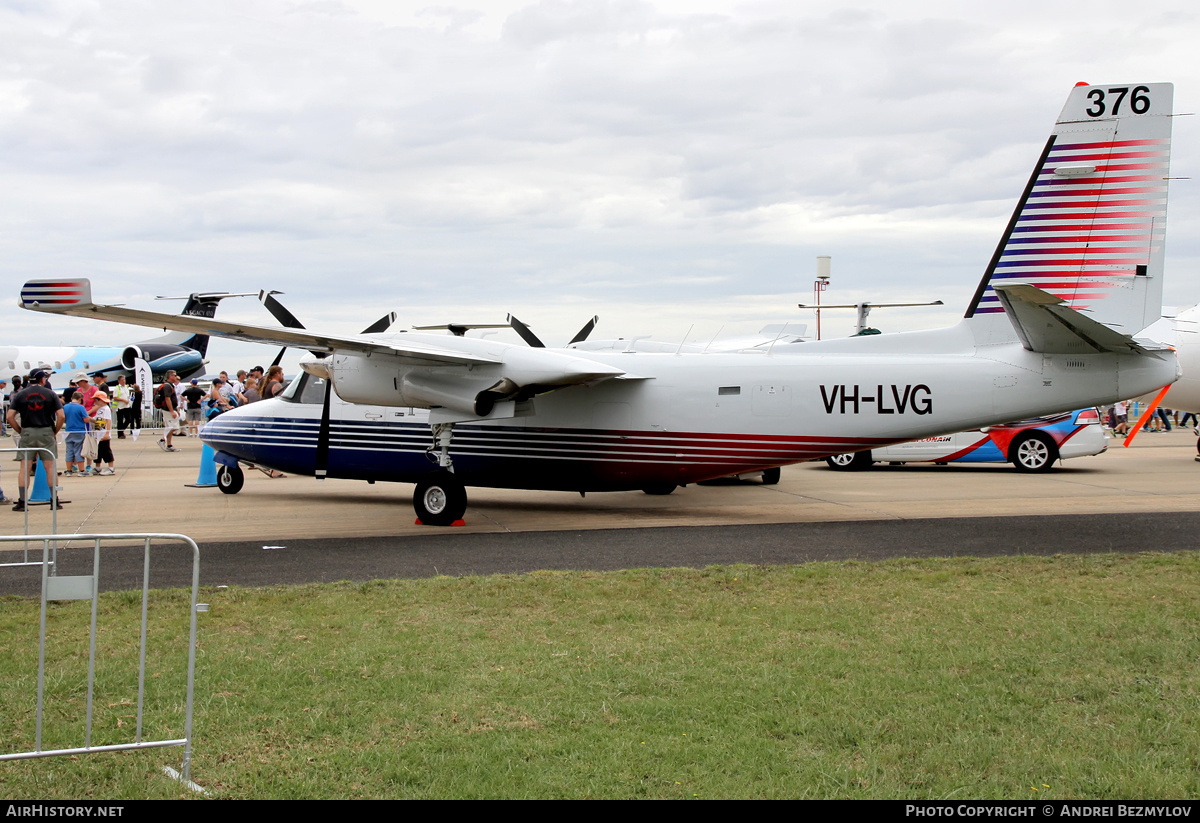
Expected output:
(160, 401)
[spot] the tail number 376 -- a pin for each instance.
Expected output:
(1139, 101)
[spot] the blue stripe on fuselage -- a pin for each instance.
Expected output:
(497, 456)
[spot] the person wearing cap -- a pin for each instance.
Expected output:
(230, 392)
(69, 390)
(81, 384)
(101, 383)
(36, 413)
(101, 420)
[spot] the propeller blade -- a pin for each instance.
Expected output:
(322, 457)
(525, 333)
(583, 333)
(1146, 415)
(382, 324)
(285, 317)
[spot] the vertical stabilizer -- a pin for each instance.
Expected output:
(197, 305)
(1091, 223)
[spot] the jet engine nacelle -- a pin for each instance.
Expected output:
(129, 356)
(163, 357)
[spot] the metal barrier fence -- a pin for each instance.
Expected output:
(86, 587)
(46, 456)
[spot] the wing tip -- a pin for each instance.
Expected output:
(59, 294)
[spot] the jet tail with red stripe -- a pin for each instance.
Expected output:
(1090, 225)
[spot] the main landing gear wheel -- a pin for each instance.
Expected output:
(660, 488)
(853, 462)
(771, 476)
(439, 500)
(230, 479)
(1033, 452)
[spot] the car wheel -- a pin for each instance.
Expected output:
(440, 500)
(852, 462)
(1033, 452)
(230, 479)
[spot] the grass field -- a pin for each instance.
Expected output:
(1008, 678)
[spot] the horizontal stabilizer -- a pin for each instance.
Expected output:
(1046, 324)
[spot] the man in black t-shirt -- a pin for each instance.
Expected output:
(36, 414)
(193, 395)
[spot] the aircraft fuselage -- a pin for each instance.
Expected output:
(683, 418)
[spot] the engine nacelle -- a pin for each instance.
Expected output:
(130, 354)
(472, 389)
(384, 381)
(163, 357)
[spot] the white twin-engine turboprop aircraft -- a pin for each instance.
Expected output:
(1052, 327)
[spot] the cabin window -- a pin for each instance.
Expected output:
(72, 365)
(57, 365)
(12, 364)
(305, 389)
(26, 365)
(723, 390)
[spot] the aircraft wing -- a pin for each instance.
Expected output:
(74, 297)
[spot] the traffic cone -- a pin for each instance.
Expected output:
(40, 493)
(208, 469)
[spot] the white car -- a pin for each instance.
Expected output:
(1030, 445)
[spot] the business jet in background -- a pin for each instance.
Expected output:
(184, 352)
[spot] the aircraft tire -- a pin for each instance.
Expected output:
(660, 488)
(771, 476)
(440, 500)
(230, 479)
(1033, 452)
(851, 462)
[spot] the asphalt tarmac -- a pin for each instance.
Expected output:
(295, 530)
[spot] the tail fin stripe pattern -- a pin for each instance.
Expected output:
(1094, 222)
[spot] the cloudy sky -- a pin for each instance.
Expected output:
(671, 166)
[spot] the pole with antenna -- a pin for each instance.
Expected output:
(824, 264)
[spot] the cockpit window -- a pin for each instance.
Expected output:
(305, 389)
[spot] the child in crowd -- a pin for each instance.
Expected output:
(75, 430)
(102, 422)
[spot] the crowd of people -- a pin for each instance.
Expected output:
(89, 410)
(1118, 419)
